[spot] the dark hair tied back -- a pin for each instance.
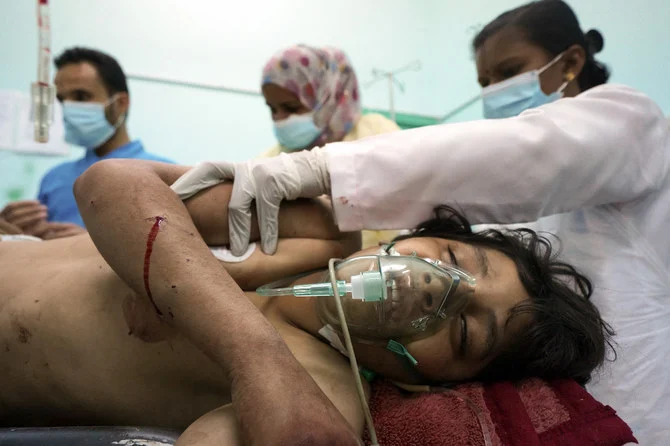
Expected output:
(594, 41)
(553, 26)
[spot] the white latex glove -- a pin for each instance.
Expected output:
(266, 180)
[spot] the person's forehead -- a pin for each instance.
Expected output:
(277, 93)
(504, 285)
(443, 242)
(502, 277)
(428, 242)
(503, 44)
(502, 292)
(78, 76)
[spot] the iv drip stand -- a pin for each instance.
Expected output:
(391, 77)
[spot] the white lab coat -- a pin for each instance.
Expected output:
(600, 161)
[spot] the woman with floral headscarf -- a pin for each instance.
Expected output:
(314, 100)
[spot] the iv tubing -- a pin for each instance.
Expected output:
(352, 355)
(42, 94)
(44, 55)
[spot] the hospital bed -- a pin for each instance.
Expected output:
(528, 412)
(88, 436)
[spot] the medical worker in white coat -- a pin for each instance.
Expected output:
(595, 158)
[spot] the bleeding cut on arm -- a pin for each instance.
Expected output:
(308, 236)
(128, 208)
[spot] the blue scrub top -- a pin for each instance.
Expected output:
(56, 187)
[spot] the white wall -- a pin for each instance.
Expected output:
(637, 44)
(227, 43)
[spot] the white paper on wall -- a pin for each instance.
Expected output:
(16, 127)
(8, 118)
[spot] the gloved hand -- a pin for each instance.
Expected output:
(266, 180)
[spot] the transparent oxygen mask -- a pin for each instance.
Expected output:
(388, 297)
(381, 299)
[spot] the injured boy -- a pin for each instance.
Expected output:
(138, 323)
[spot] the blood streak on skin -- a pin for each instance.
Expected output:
(153, 233)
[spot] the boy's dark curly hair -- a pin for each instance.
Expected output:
(568, 338)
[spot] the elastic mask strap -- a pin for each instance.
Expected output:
(387, 248)
(368, 374)
(553, 61)
(562, 87)
(400, 350)
(109, 102)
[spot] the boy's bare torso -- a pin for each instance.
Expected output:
(78, 346)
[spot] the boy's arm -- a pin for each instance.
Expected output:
(220, 426)
(146, 235)
(331, 372)
(308, 237)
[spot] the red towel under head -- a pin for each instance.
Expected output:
(529, 413)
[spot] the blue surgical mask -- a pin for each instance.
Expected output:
(297, 131)
(86, 124)
(517, 94)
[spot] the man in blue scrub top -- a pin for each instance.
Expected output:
(93, 90)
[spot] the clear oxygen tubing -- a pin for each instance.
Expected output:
(486, 433)
(310, 290)
(352, 356)
(326, 290)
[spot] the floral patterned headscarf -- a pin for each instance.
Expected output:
(324, 81)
